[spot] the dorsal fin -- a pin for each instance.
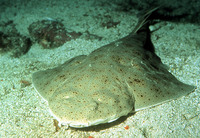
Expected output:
(141, 31)
(144, 19)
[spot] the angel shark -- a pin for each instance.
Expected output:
(112, 81)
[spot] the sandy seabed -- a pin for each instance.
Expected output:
(23, 113)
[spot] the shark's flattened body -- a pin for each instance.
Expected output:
(112, 81)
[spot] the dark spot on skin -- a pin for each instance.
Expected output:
(75, 92)
(62, 76)
(157, 90)
(137, 80)
(117, 79)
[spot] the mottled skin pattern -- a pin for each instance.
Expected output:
(112, 81)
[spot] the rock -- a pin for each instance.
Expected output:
(50, 33)
(12, 41)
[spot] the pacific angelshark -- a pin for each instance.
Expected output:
(114, 80)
